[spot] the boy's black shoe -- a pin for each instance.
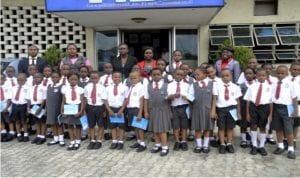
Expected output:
(262, 151)
(184, 146)
(76, 146)
(205, 150)
(53, 143)
(230, 148)
(113, 146)
(26, 139)
(135, 145)
(141, 148)
(176, 146)
(253, 150)
(9, 137)
(20, 138)
(35, 140)
(222, 149)
(278, 151)
(197, 149)
(107, 136)
(291, 155)
(270, 141)
(120, 146)
(98, 145)
(70, 147)
(156, 149)
(41, 141)
(91, 145)
(164, 152)
(244, 144)
(3, 137)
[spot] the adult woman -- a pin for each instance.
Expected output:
(148, 63)
(124, 62)
(74, 59)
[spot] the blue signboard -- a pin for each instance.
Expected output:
(94, 5)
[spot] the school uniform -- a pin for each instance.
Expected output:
(94, 108)
(296, 81)
(166, 77)
(47, 81)
(178, 104)
(5, 95)
(189, 80)
(158, 107)
(172, 67)
(115, 96)
(133, 95)
(19, 103)
(226, 101)
(243, 123)
(83, 82)
(53, 103)
(200, 93)
(77, 91)
(64, 81)
(11, 81)
(29, 81)
(106, 80)
(37, 95)
(283, 93)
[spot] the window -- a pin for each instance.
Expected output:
(242, 36)
(187, 42)
(288, 35)
(106, 47)
(265, 7)
(265, 36)
(291, 55)
(264, 55)
(218, 36)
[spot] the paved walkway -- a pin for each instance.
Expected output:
(28, 160)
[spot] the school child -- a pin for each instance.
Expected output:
(177, 57)
(11, 80)
(37, 96)
(177, 94)
(252, 64)
(114, 100)
(284, 94)
(32, 69)
(143, 80)
(53, 107)
(73, 95)
(84, 76)
(106, 79)
(258, 110)
(19, 107)
(93, 95)
(65, 72)
(272, 81)
(47, 72)
(6, 96)
(161, 64)
(134, 104)
(225, 98)
(157, 110)
(249, 75)
(295, 78)
(200, 94)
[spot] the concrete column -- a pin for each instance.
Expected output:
(203, 44)
(90, 46)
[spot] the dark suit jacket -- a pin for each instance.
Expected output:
(117, 65)
(24, 63)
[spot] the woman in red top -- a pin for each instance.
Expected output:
(148, 63)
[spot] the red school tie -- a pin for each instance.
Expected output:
(12, 82)
(258, 96)
(106, 81)
(226, 93)
(156, 87)
(73, 94)
(2, 93)
(203, 84)
(35, 93)
(18, 93)
(177, 90)
(93, 94)
(177, 65)
(115, 90)
(278, 88)
(128, 98)
(45, 81)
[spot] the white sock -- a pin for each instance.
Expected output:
(212, 138)
(228, 144)
(3, 131)
(139, 141)
(99, 141)
(39, 136)
(61, 138)
(254, 138)
(19, 134)
(262, 139)
(243, 137)
(25, 134)
(115, 141)
(199, 142)
(291, 148)
(158, 145)
(142, 143)
(120, 141)
(12, 132)
(77, 141)
(165, 147)
(42, 136)
(72, 142)
(55, 138)
(280, 145)
(93, 140)
(206, 141)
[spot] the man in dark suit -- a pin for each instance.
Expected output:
(32, 59)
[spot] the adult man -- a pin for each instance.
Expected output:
(32, 59)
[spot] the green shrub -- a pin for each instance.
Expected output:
(53, 56)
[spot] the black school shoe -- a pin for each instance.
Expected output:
(222, 149)
(291, 155)
(113, 146)
(9, 137)
(41, 141)
(253, 150)
(156, 149)
(35, 140)
(76, 146)
(205, 150)
(164, 152)
(197, 149)
(176, 146)
(135, 145)
(70, 147)
(262, 151)
(91, 145)
(230, 148)
(244, 144)
(184, 146)
(278, 151)
(141, 148)
(120, 146)
(20, 138)
(53, 143)
(270, 141)
(3, 137)
(26, 139)
(98, 145)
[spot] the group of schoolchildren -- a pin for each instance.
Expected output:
(169, 98)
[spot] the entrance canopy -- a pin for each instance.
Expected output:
(127, 13)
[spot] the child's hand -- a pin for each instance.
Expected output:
(214, 115)
(171, 97)
(78, 114)
(184, 97)
(111, 113)
(146, 115)
(120, 114)
(294, 114)
(139, 117)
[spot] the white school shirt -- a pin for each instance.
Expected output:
(49, 82)
(215, 80)
(234, 93)
(187, 79)
(23, 94)
(29, 81)
(118, 100)
(32, 60)
(272, 80)
(41, 94)
(100, 90)
(184, 88)
(169, 77)
(241, 79)
(10, 81)
(67, 91)
(7, 92)
(266, 94)
(174, 66)
(61, 80)
(297, 85)
(136, 92)
(287, 92)
(191, 93)
(160, 84)
(109, 81)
